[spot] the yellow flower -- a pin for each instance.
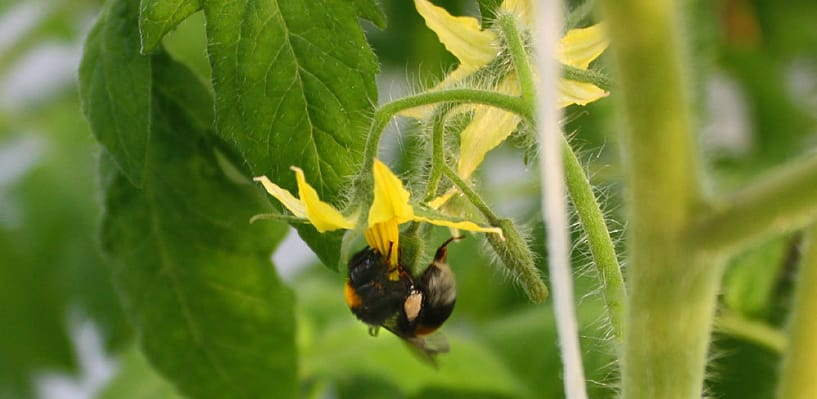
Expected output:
(390, 208)
(475, 48)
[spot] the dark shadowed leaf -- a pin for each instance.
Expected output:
(370, 10)
(195, 277)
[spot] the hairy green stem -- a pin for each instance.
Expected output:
(579, 189)
(514, 252)
(672, 288)
(587, 76)
(437, 153)
(471, 195)
(779, 202)
(519, 55)
(453, 96)
(800, 360)
(598, 239)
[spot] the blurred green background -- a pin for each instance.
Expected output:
(63, 334)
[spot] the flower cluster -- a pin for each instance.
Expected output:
(475, 48)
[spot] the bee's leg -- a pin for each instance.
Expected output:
(442, 252)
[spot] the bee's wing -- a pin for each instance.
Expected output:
(428, 347)
(433, 343)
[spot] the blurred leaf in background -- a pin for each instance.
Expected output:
(51, 274)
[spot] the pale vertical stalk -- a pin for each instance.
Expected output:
(548, 23)
(797, 377)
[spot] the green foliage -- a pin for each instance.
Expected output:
(752, 277)
(209, 310)
(116, 85)
(288, 93)
(158, 17)
(137, 380)
(51, 273)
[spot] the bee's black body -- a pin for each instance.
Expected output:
(375, 297)
(410, 307)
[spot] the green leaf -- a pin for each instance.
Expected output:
(115, 87)
(136, 379)
(158, 17)
(488, 10)
(194, 276)
(370, 10)
(345, 351)
(336, 347)
(751, 278)
(294, 83)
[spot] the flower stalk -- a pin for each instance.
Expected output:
(598, 239)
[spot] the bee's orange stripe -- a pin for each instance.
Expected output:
(352, 298)
(422, 330)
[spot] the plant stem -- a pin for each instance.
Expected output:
(453, 96)
(732, 323)
(519, 55)
(779, 202)
(598, 239)
(437, 153)
(590, 215)
(672, 289)
(587, 76)
(800, 360)
(471, 195)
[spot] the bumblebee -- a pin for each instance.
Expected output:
(411, 307)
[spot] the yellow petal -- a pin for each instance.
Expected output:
(385, 238)
(521, 8)
(581, 93)
(579, 47)
(285, 197)
(436, 203)
(463, 225)
(461, 36)
(391, 200)
(322, 215)
(489, 127)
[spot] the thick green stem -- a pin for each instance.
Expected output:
(797, 375)
(672, 289)
(781, 201)
(598, 239)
